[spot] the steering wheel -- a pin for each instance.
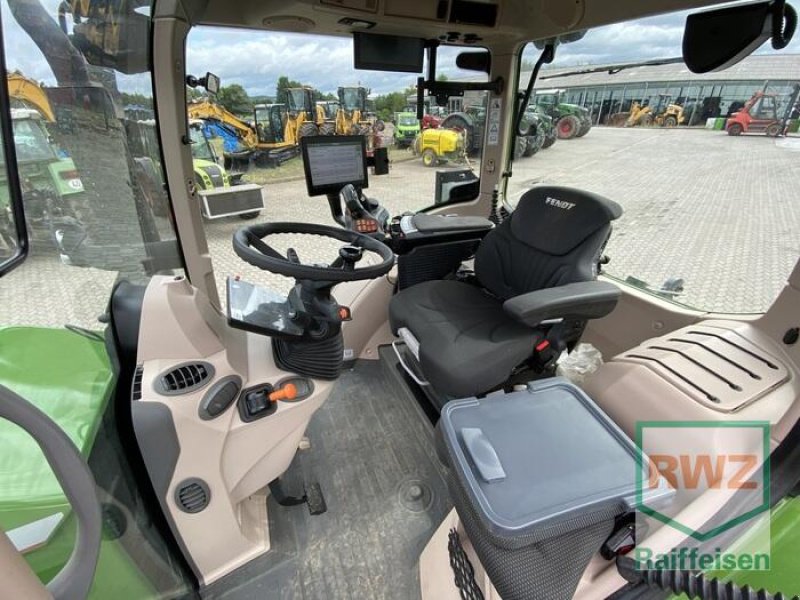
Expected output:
(249, 244)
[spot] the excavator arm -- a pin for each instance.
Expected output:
(208, 110)
(28, 91)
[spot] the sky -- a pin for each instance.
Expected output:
(255, 60)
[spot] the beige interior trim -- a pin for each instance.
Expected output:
(169, 74)
(235, 459)
(18, 580)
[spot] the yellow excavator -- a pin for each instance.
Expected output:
(109, 33)
(30, 94)
(272, 140)
(207, 110)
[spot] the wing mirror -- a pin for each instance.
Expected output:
(209, 82)
(716, 39)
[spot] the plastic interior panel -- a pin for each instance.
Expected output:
(716, 367)
(562, 456)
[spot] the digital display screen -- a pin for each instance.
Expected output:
(331, 162)
(388, 53)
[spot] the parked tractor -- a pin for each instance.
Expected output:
(571, 120)
(48, 176)
(406, 129)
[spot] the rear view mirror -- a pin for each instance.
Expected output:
(716, 39)
(209, 83)
(475, 61)
(212, 83)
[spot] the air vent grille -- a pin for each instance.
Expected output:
(184, 378)
(192, 495)
(136, 386)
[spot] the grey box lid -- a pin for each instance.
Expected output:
(540, 457)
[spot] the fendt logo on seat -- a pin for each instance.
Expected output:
(562, 204)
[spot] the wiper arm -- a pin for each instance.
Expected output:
(614, 69)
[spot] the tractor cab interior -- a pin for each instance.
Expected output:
(372, 404)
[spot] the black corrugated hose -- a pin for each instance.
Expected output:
(694, 585)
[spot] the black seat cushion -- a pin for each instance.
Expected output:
(468, 344)
(554, 237)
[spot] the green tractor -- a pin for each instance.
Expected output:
(544, 133)
(406, 129)
(54, 190)
(571, 120)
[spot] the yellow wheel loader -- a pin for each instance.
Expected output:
(304, 117)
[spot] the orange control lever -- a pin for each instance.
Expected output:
(287, 392)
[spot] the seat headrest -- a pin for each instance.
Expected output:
(556, 219)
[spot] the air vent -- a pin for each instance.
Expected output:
(184, 378)
(192, 495)
(136, 386)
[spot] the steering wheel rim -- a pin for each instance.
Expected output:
(265, 257)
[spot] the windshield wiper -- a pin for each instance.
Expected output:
(616, 68)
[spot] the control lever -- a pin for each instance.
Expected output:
(292, 255)
(350, 255)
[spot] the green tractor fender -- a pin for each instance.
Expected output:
(65, 177)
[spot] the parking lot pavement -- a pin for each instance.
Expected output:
(719, 212)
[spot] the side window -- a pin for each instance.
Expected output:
(255, 122)
(9, 238)
(96, 210)
(704, 222)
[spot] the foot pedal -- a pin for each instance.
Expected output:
(315, 499)
(312, 496)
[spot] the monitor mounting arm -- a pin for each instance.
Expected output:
(442, 90)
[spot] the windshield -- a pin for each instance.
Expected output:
(31, 142)
(200, 147)
(351, 99)
(702, 214)
(422, 169)
(297, 99)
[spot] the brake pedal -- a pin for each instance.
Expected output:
(315, 499)
(312, 497)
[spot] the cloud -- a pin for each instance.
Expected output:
(255, 59)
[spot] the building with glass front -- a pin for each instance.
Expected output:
(702, 96)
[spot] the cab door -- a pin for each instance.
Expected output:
(62, 255)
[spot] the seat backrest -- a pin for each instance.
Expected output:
(555, 236)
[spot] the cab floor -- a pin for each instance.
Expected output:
(372, 452)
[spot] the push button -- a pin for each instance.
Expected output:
(257, 401)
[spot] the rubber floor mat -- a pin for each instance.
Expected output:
(372, 452)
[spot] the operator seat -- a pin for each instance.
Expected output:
(538, 266)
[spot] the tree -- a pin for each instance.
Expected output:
(136, 100)
(388, 104)
(67, 63)
(235, 99)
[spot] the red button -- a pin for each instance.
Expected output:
(543, 345)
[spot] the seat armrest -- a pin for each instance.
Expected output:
(583, 300)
